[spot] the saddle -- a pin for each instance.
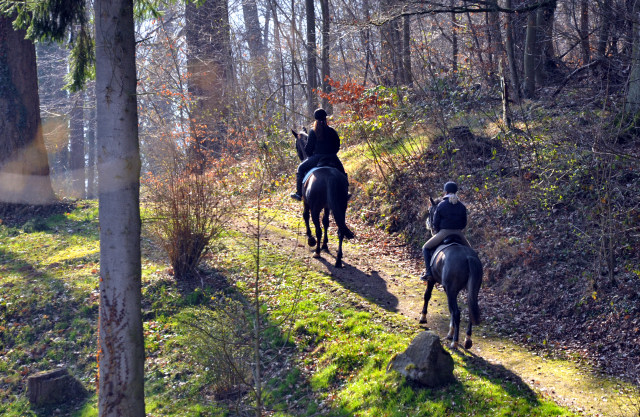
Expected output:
(312, 170)
(450, 240)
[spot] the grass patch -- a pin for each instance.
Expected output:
(325, 348)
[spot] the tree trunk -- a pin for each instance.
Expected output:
(632, 103)
(530, 56)
(121, 343)
(605, 25)
(454, 42)
(511, 57)
(52, 65)
(312, 66)
(494, 38)
(546, 61)
(24, 166)
(76, 140)
(91, 145)
(209, 63)
(584, 31)
(406, 50)
(326, 42)
(253, 30)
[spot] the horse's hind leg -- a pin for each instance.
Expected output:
(427, 297)
(339, 254)
(467, 340)
(316, 223)
(325, 227)
(305, 215)
(454, 325)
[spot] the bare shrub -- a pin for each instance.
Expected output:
(189, 211)
(219, 342)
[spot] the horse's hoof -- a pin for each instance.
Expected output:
(454, 345)
(325, 248)
(338, 265)
(423, 319)
(467, 344)
(316, 255)
(311, 241)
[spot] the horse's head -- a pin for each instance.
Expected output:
(432, 212)
(301, 142)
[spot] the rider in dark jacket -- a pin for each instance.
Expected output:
(449, 218)
(322, 147)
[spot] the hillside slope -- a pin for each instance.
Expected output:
(554, 214)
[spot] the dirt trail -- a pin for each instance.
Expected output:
(379, 269)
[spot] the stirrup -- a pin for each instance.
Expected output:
(426, 276)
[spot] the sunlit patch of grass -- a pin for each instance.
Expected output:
(49, 272)
(345, 344)
(338, 343)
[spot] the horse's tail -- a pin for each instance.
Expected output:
(339, 216)
(473, 288)
(338, 197)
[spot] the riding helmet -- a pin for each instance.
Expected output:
(320, 114)
(451, 187)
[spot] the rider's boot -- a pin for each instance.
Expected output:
(298, 194)
(427, 275)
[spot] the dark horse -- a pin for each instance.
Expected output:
(455, 267)
(325, 189)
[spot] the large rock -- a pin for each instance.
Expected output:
(53, 387)
(425, 361)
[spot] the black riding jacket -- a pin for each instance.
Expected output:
(450, 216)
(330, 143)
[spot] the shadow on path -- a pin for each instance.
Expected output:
(369, 285)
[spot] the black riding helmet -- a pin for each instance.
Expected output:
(320, 114)
(450, 187)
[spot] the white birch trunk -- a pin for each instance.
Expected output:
(121, 347)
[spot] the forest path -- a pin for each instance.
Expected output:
(379, 268)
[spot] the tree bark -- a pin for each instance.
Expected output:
(584, 31)
(605, 25)
(24, 166)
(510, 47)
(312, 66)
(530, 56)
(121, 343)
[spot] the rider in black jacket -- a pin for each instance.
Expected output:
(449, 219)
(322, 147)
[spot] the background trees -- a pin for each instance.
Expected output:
(258, 63)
